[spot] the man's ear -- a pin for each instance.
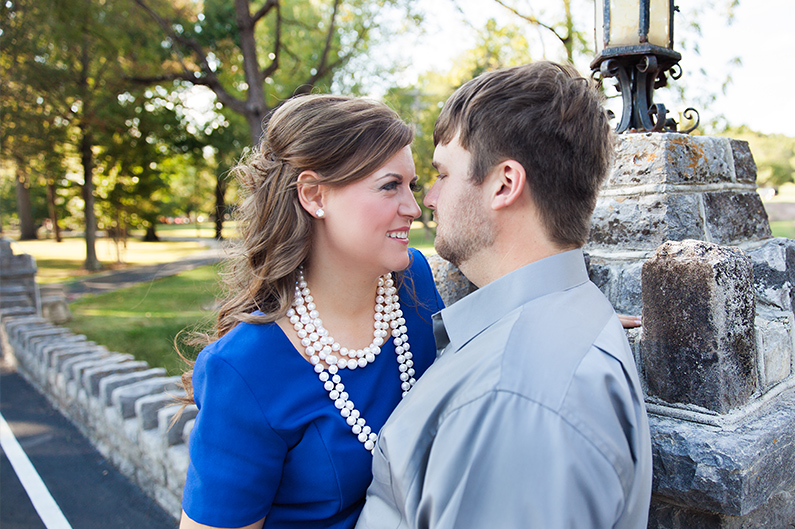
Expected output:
(310, 192)
(509, 184)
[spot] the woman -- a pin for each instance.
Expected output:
(322, 333)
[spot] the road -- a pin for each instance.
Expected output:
(86, 488)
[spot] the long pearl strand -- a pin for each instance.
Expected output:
(329, 357)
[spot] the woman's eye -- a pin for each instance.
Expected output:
(390, 186)
(415, 186)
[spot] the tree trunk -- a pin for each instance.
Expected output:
(220, 206)
(255, 128)
(27, 229)
(87, 157)
(151, 234)
(52, 209)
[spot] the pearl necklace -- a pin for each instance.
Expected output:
(329, 357)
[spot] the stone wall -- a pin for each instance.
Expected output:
(126, 408)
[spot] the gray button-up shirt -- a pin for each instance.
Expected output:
(532, 416)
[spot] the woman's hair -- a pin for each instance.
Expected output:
(343, 140)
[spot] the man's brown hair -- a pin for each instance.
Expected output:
(552, 121)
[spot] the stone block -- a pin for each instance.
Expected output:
(124, 398)
(774, 273)
(76, 370)
(774, 341)
(450, 282)
(698, 325)
(643, 159)
(59, 356)
(171, 422)
(55, 309)
(744, 165)
(147, 408)
(111, 382)
(45, 350)
(735, 217)
(87, 358)
(93, 376)
(646, 221)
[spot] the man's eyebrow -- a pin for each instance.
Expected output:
(436, 165)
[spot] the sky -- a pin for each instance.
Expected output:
(762, 36)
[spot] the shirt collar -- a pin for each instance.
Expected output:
(457, 324)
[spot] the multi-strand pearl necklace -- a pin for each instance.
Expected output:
(329, 357)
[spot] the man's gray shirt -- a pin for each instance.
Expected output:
(532, 416)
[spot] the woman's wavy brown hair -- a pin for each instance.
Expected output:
(343, 140)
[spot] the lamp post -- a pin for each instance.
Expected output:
(634, 43)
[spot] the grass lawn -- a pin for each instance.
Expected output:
(143, 320)
(783, 228)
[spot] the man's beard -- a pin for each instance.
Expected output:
(466, 231)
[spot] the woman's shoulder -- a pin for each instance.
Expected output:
(244, 340)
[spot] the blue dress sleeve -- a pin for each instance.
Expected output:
(424, 285)
(236, 457)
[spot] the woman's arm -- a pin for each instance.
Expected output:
(187, 523)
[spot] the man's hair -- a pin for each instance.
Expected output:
(552, 121)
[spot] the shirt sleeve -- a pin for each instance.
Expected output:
(236, 458)
(504, 461)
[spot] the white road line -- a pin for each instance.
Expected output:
(45, 505)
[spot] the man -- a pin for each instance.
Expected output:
(532, 415)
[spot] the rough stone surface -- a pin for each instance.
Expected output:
(744, 165)
(619, 281)
(147, 408)
(774, 342)
(774, 273)
(450, 282)
(93, 376)
(698, 325)
(111, 382)
(124, 398)
(726, 471)
(747, 221)
(171, 422)
(645, 221)
(671, 159)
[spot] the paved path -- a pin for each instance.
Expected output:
(115, 279)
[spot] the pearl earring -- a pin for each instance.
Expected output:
(320, 213)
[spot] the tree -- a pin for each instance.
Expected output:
(67, 60)
(253, 55)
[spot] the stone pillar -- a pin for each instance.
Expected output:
(680, 234)
(698, 325)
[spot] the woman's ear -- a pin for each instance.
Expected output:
(311, 193)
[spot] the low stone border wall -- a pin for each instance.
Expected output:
(125, 407)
